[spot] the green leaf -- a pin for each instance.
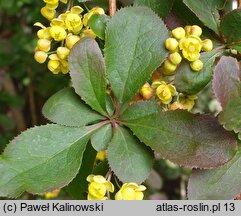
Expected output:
(87, 71)
(42, 159)
(217, 184)
(191, 82)
(230, 25)
(183, 138)
(226, 81)
(130, 160)
(109, 105)
(66, 108)
(78, 187)
(230, 118)
(97, 23)
(161, 7)
(206, 11)
(102, 137)
(134, 48)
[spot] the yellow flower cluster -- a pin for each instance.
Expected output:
(161, 90)
(99, 186)
(185, 43)
(66, 29)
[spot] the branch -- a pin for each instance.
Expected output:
(16, 112)
(112, 7)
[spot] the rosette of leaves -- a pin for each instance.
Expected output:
(51, 156)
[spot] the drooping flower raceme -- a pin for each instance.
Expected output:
(98, 187)
(130, 191)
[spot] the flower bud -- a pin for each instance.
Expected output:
(63, 52)
(196, 30)
(207, 45)
(40, 56)
(71, 40)
(178, 33)
(175, 58)
(169, 68)
(44, 45)
(171, 44)
(196, 65)
(188, 29)
(54, 66)
(146, 91)
(48, 13)
(44, 33)
(52, 6)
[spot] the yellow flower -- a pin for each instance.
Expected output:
(207, 45)
(71, 40)
(175, 58)
(54, 66)
(40, 56)
(51, 1)
(146, 91)
(73, 23)
(88, 32)
(63, 52)
(171, 44)
(98, 187)
(44, 45)
(191, 47)
(52, 6)
(196, 65)
(101, 155)
(52, 194)
(130, 191)
(58, 33)
(196, 30)
(178, 33)
(169, 68)
(165, 92)
(76, 10)
(187, 101)
(48, 13)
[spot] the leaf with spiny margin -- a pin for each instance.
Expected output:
(42, 159)
(230, 117)
(130, 160)
(222, 183)
(226, 81)
(161, 7)
(206, 11)
(101, 138)
(87, 71)
(179, 136)
(66, 108)
(134, 48)
(230, 25)
(190, 82)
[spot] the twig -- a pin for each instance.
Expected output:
(112, 7)
(239, 3)
(16, 112)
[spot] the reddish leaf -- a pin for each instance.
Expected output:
(226, 80)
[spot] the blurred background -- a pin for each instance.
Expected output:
(25, 85)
